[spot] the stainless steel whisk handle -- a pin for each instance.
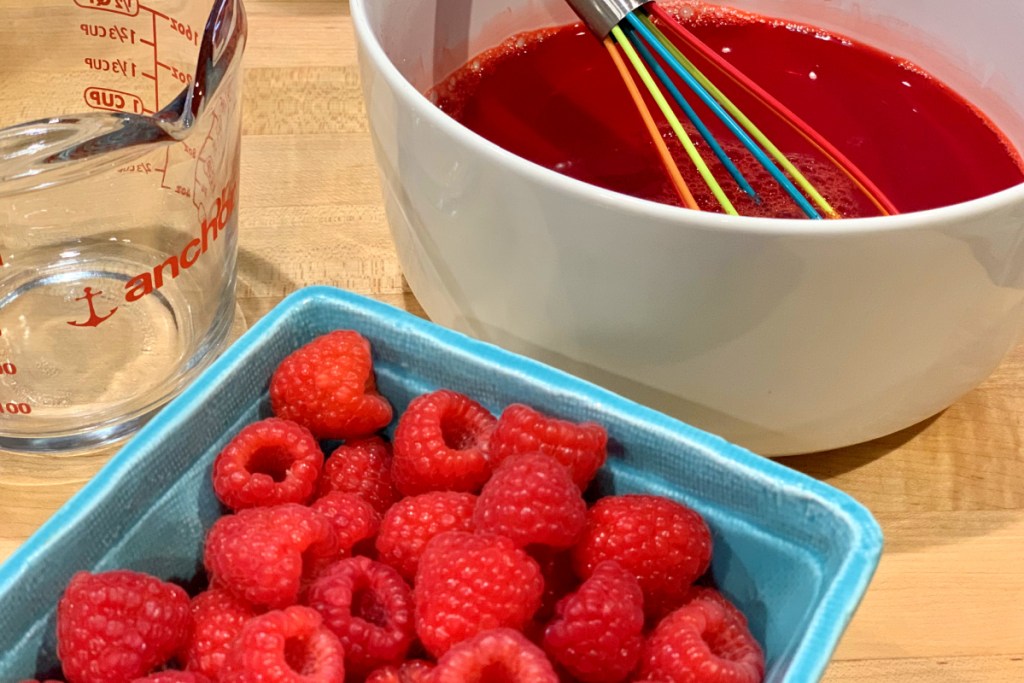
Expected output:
(601, 16)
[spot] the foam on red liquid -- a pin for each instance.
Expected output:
(554, 97)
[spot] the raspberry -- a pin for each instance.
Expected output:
(370, 608)
(285, 646)
(468, 583)
(664, 544)
(598, 631)
(385, 674)
(439, 444)
(172, 676)
(499, 654)
(120, 625)
(218, 617)
(532, 500)
(708, 593)
(355, 521)
(363, 467)
(582, 447)
(269, 462)
(410, 671)
(265, 556)
(410, 523)
(701, 641)
(329, 387)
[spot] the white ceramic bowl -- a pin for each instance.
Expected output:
(783, 336)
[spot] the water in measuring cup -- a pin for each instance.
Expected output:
(109, 329)
(104, 314)
(117, 286)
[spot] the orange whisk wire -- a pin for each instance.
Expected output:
(675, 176)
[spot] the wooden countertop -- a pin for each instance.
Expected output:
(947, 603)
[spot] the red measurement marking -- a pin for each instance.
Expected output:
(145, 168)
(129, 8)
(115, 32)
(155, 13)
(113, 100)
(176, 73)
(185, 31)
(15, 408)
(94, 319)
(167, 162)
(156, 83)
(124, 67)
(148, 75)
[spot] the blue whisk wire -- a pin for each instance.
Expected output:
(706, 134)
(723, 116)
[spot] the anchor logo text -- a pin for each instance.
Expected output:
(149, 281)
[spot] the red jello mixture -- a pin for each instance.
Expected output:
(554, 97)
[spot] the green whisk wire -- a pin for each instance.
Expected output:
(709, 138)
(673, 120)
(740, 117)
(634, 20)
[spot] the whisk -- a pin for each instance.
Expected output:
(633, 28)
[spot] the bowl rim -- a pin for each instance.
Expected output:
(912, 221)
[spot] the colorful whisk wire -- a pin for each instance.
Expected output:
(629, 26)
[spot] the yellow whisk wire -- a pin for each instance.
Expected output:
(741, 118)
(664, 154)
(673, 120)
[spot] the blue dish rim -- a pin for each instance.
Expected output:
(830, 616)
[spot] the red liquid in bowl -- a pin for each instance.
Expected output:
(554, 97)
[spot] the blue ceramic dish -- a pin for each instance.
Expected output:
(795, 554)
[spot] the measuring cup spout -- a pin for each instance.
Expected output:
(223, 40)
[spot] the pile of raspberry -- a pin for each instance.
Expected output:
(462, 550)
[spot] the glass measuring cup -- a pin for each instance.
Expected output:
(118, 209)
